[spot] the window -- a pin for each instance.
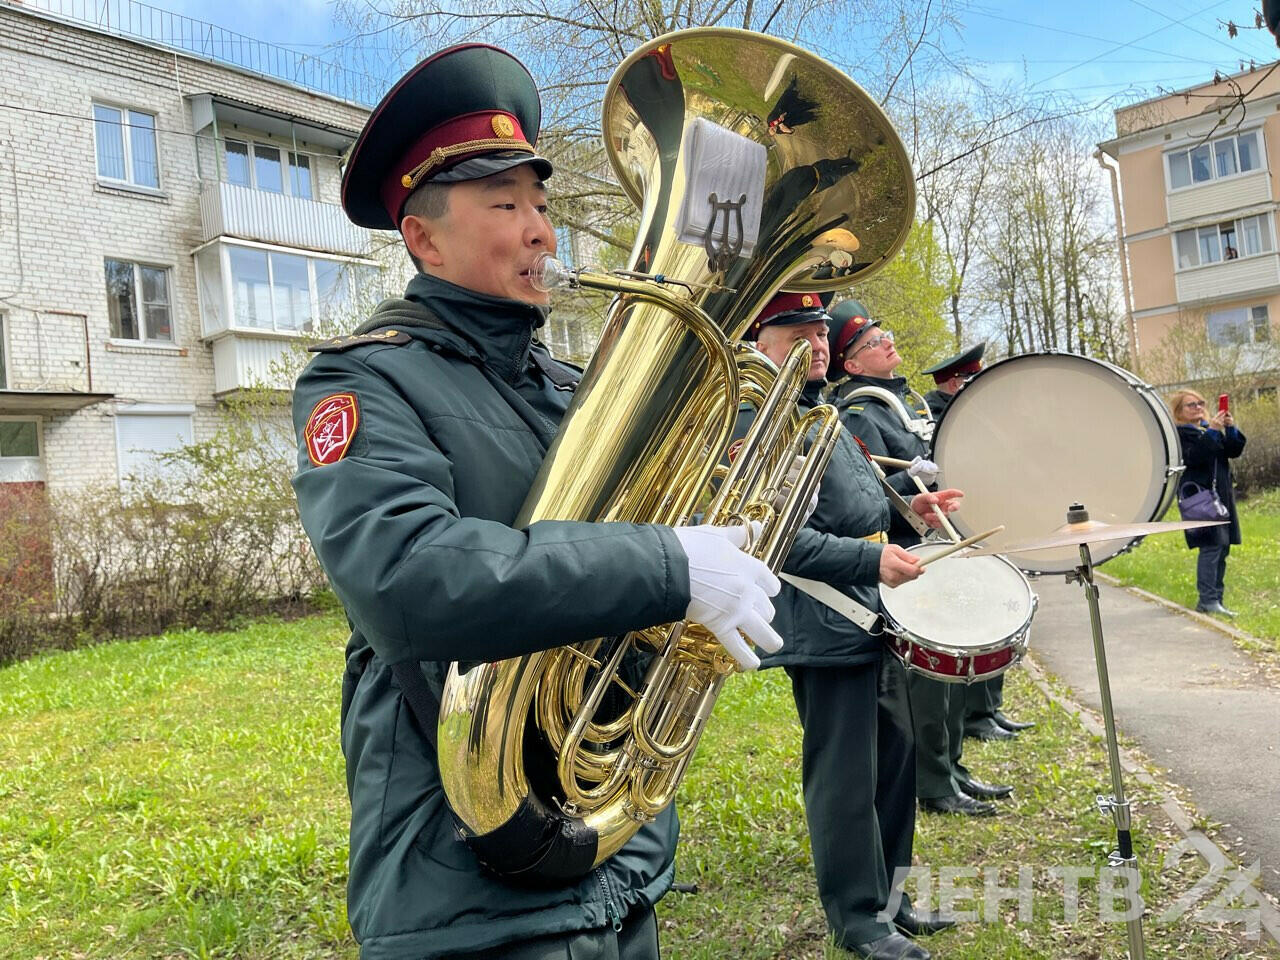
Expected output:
(261, 167)
(1220, 158)
(19, 438)
(1246, 237)
(1239, 325)
(251, 287)
(1261, 324)
(300, 175)
(146, 431)
(126, 146)
(138, 301)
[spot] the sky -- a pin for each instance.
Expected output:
(1106, 52)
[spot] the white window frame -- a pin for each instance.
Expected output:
(1249, 324)
(228, 288)
(1216, 228)
(1186, 148)
(286, 166)
(1254, 325)
(148, 410)
(143, 340)
(39, 440)
(127, 142)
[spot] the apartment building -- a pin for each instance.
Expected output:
(169, 230)
(1197, 201)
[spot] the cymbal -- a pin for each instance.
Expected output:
(1094, 531)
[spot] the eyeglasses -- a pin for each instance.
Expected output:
(874, 342)
(1193, 403)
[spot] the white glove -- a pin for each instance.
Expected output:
(729, 591)
(926, 470)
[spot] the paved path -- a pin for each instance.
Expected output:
(1194, 704)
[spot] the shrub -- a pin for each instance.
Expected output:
(211, 536)
(1258, 468)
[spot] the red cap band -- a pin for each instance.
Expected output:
(471, 135)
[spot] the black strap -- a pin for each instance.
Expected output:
(422, 699)
(561, 377)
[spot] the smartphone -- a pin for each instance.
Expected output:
(1222, 403)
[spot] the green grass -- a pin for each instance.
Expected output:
(182, 796)
(1165, 566)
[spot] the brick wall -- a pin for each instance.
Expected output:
(58, 224)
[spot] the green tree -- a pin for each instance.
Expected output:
(911, 297)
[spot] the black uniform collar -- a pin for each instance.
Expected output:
(811, 395)
(501, 329)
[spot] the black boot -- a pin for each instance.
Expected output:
(986, 791)
(893, 947)
(1013, 726)
(917, 924)
(962, 803)
(988, 730)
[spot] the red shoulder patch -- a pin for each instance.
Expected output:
(331, 428)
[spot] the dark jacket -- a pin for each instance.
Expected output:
(938, 400)
(413, 528)
(1205, 453)
(830, 548)
(882, 432)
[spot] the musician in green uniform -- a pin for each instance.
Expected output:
(419, 438)
(875, 407)
(858, 769)
(983, 718)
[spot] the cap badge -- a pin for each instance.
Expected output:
(502, 125)
(807, 300)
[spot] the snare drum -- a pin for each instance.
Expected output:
(1031, 435)
(966, 619)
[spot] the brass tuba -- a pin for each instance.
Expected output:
(546, 775)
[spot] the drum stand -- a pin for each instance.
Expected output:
(1117, 805)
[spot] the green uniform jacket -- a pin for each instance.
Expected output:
(938, 400)
(884, 435)
(413, 528)
(851, 505)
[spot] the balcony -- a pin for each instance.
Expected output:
(1212, 199)
(245, 361)
(230, 210)
(1228, 280)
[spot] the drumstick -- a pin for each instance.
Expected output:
(891, 462)
(952, 532)
(967, 541)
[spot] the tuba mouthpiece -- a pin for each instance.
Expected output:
(548, 273)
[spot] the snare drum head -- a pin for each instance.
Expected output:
(961, 603)
(1033, 434)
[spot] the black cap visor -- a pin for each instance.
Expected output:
(477, 168)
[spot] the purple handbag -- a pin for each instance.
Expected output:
(1197, 503)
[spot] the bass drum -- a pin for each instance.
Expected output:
(1030, 435)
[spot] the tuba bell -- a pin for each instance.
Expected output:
(552, 761)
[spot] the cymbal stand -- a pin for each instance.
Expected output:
(1117, 805)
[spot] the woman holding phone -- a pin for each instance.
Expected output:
(1208, 443)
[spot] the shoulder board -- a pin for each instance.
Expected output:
(854, 407)
(338, 344)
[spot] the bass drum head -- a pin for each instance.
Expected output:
(1031, 435)
(961, 604)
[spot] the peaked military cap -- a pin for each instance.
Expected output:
(787, 310)
(467, 112)
(967, 361)
(851, 320)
